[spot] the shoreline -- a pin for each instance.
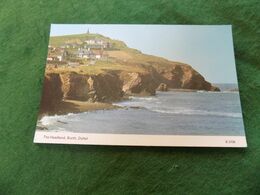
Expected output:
(182, 90)
(75, 106)
(180, 112)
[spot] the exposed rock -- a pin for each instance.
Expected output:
(214, 88)
(234, 90)
(138, 84)
(112, 86)
(182, 76)
(173, 76)
(39, 127)
(162, 87)
(52, 92)
(136, 107)
(108, 87)
(75, 86)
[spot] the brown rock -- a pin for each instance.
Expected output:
(108, 87)
(214, 88)
(162, 87)
(138, 84)
(183, 76)
(75, 86)
(52, 93)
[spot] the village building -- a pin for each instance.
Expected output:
(74, 54)
(73, 64)
(63, 55)
(94, 42)
(83, 53)
(57, 55)
(93, 54)
(70, 46)
(50, 58)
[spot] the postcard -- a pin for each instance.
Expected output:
(141, 85)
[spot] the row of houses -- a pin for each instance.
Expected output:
(91, 43)
(57, 54)
(81, 53)
(93, 54)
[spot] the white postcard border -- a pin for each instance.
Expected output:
(139, 140)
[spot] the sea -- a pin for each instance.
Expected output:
(166, 113)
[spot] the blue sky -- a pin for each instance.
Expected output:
(207, 48)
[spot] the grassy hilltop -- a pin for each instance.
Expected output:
(80, 38)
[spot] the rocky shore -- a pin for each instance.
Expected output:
(71, 91)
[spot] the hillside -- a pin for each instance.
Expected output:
(99, 69)
(80, 38)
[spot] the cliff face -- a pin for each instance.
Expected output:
(175, 77)
(138, 83)
(52, 92)
(111, 86)
(185, 77)
(73, 86)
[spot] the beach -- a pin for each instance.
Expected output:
(73, 106)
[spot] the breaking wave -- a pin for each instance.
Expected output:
(199, 112)
(50, 120)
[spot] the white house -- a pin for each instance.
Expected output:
(50, 58)
(90, 42)
(73, 63)
(98, 56)
(60, 58)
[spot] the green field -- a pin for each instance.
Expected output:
(97, 68)
(34, 169)
(80, 38)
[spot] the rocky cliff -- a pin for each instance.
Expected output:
(101, 87)
(110, 86)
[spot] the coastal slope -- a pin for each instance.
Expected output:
(125, 72)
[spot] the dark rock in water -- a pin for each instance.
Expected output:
(41, 127)
(214, 88)
(234, 90)
(62, 122)
(162, 87)
(136, 107)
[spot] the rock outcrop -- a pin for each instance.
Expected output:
(105, 87)
(111, 86)
(162, 87)
(93, 88)
(75, 86)
(52, 92)
(185, 77)
(138, 84)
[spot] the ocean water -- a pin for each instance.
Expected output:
(167, 113)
